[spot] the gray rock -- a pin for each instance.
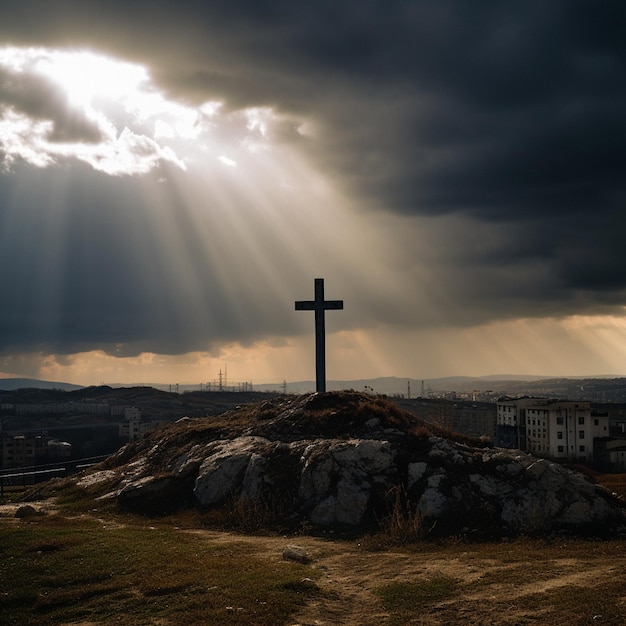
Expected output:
(415, 472)
(351, 502)
(153, 494)
(433, 503)
(254, 477)
(325, 512)
(296, 553)
(26, 510)
(352, 466)
(223, 470)
(189, 462)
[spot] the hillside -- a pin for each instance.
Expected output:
(347, 460)
(10, 384)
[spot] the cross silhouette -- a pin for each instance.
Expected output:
(319, 305)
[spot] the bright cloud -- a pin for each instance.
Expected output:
(22, 137)
(84, 75)
(226, 161)
(57, 104)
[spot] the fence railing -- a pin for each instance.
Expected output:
(28, 476)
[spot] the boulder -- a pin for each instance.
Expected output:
(223, 470)
(296, 553)
(338, 476)
(153, 495)
(26, 510)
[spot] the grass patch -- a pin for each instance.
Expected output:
(56, 570)
(406, 600)
(70, 497)
(73, 498)
(579, 605)
(244, 516)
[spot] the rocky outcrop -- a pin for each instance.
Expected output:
(338, 460)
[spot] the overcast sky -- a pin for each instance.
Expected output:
(173, 176)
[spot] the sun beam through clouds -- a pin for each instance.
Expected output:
(202, 249)
(164, 203)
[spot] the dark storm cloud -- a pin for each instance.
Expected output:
(426, 106)
(507, 115)
(88, 274)
(433, 107)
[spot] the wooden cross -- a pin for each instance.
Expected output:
(319, 305)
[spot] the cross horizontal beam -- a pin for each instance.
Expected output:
(312, 305)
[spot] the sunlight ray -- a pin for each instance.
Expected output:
(236, 224)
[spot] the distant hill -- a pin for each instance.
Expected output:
(394, 385)
(11, 384)
(598, 388)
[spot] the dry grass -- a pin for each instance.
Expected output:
(244, 516)
(404, 600)
(124, 570)
(55, 570)
(403, 524)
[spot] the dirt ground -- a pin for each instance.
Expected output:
(515, 584)
(506, 591)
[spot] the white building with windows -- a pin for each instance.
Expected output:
(555, 429)
(135, 427)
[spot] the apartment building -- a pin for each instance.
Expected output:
(29, 450)
(557, 429)
(135, 427)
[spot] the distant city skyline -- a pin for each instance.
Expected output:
(174, 176)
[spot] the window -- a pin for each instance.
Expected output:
(581, 420)
(596, 422)
(559, 434)
(560, 448)
(559, 420)
(581, 448)
(581, 434)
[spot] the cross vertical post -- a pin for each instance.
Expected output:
(320, 306)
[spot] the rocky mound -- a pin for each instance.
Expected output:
(350, 460)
